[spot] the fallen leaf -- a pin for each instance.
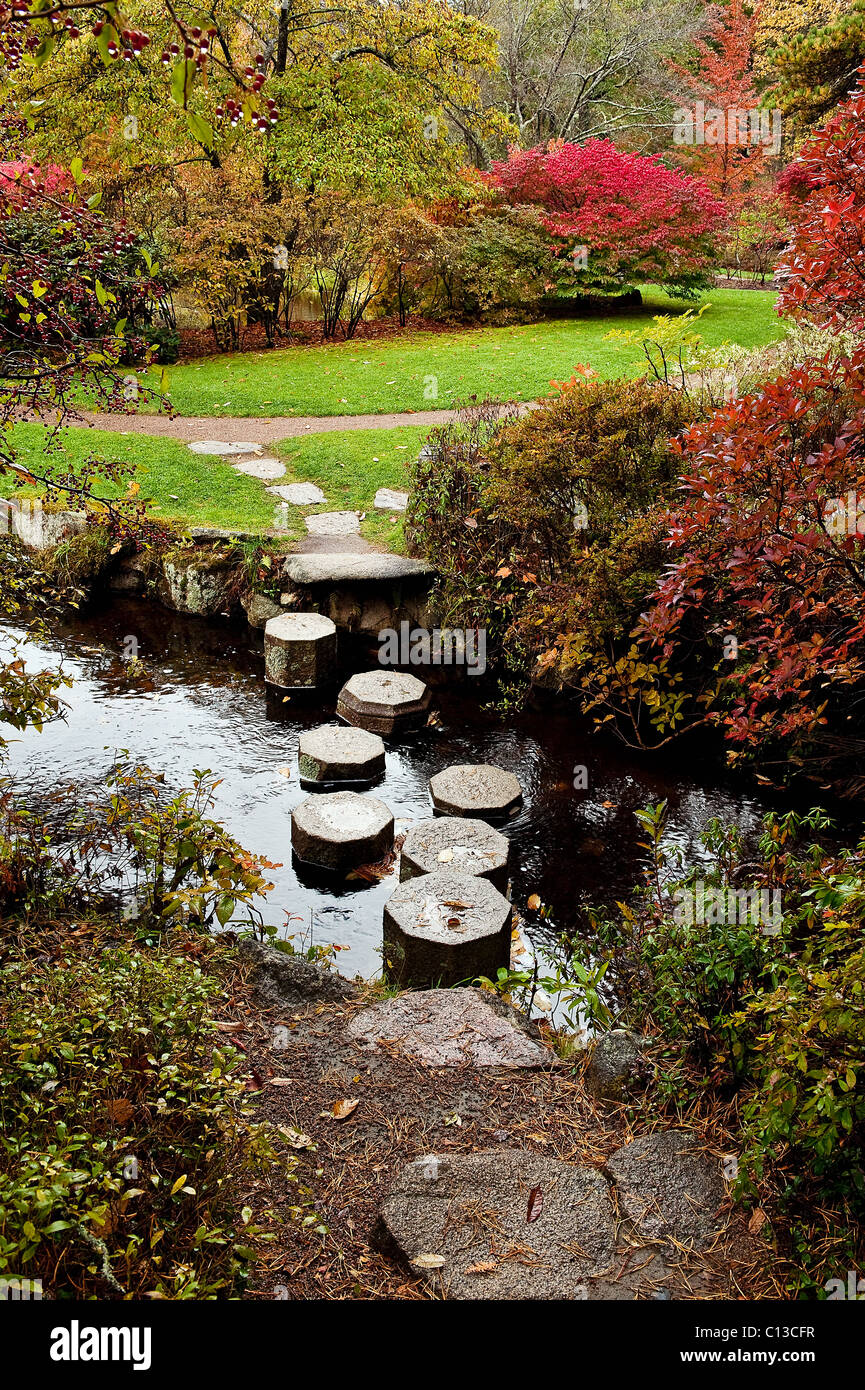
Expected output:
(533, 903)
(281, 1081)
(536, 1204)
(470, 522)
(296, 1138)
(428, 1261)
(485, 1267)
(230, 1027)
(343, 1108)
(758, 1221)
(121, 1111)
(446, 856)
(284, 772)
(503, 572)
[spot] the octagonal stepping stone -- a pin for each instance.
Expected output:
(448, 1028)
(333, 524)
(476, 789)
(265, 469)
(334, 753)
(301, 494)
(299, 650)
(387, 702)
(457, 842)
(443, 929)
(389, 499)
(219, 446)
(462, 1221)
(340, 830)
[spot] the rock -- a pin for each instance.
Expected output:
(456, 842)
(260, 609)
(668, 1187)
(219, 446)
(206, 535)
(443, 929)
(36, 526)
(333, 569)
(613, 1061)
(475, 789)
(131, 575)
(265, 469)
(390, 500)
(334, 753)
(333, 524)
(300, 494)
(449, 1028)
(471, 1211)
(281, 980)
(199, 583)
(341, 830)
(387, 702)
(299, 650)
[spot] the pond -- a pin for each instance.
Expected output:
(204, 704)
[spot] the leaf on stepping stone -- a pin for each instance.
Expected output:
(455, 902)
(446, 856)
(536, 1204)
(284, 772)
(428, 1261)
(485, 1267)
(343, 1108)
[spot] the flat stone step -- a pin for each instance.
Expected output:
(334, 753)
(343, 568)
(386, 702)
(340, 830)
(333, 524)
(265, 469)
(476, 789)
(444, 929)
(223, 448)
(456, 842)
(300, 494)
(448, 1028)
(558, 1216)
(389, 499)
(299, 650)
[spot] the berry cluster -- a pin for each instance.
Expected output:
(195, 47)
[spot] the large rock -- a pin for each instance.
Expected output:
(670, 1187)
(615, 1061)
(465, 845)
(449, 1028)
(284, 981)
(299, 494)
(334, 753)
(470, 1211)
(199, 583)
(259, 610)
(333, 524)
(338, 568)
(443, 929)
(387, 702)
(299, 650)
(340, 830)
(37, 527)
(476, 789)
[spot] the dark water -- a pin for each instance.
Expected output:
(204, 705)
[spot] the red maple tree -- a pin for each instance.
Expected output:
(637, 219)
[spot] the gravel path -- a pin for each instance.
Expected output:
(262, 430)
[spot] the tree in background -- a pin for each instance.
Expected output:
(616, 219)
(810, 52)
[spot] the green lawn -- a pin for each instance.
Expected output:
(426, 371)
(194, 489)
(188, 488)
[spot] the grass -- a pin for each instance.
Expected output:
(350, 466)
(190, 489)
(401, 374)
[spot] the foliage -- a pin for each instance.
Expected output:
(127, 1136)
(813, 50)
(497, 264)
(823, 271)
(639, 220)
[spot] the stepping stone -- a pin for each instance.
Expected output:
(339, 568)
(301, 494)
(299, 650)
(340, 830)
(476, 789)
(443, 929)
(265, 469)
(461, 1220)
(449, 1028)
(218, 446)
(333, 524)
(389, 500)
(459, 843)
(387, 702)
(669, 1187)
(334, 753)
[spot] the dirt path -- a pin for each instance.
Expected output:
(234, 429)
